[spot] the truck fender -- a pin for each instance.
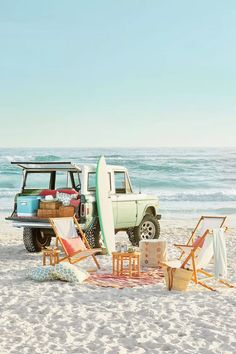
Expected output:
(149, 209)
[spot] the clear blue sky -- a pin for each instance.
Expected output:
(118, 73)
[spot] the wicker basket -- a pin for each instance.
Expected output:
(47, 213)
(66, 211)
(50, 205)
(177, 278)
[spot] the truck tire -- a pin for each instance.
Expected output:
(149, 228)
(33, 240)
(93, 234)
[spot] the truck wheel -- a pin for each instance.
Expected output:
(149, 228)
(93, 234)
(34, 241)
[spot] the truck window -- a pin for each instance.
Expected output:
(63, 180)
(122, 184)
(92, 181)
(75, 178)
(37, 180)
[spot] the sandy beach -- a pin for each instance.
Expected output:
(57, 317)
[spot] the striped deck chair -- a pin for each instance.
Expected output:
(73, 241)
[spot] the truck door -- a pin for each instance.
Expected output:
(126, 201)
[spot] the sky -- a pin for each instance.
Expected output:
(125, 73)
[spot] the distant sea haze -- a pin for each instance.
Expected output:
(187, 181)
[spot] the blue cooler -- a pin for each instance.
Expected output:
(27, 205)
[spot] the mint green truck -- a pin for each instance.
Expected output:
(135, 213)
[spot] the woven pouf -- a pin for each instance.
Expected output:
(152, 253)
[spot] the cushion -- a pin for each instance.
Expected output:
(48, 192)
(53, 192)
(41, 273)
(73, 245)
(75, 202)
(69, 272)
(67, 191)
(65, 198)
(62, 271)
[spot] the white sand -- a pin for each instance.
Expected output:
(56, 317)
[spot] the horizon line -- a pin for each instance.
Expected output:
(119, 147)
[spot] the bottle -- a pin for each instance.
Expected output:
(118, 247)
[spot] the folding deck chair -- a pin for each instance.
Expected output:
(198, 258)
(204, 223)
(73, 244)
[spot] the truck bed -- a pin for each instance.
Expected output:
(27, 219)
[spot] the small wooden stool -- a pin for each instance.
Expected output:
(52, 254)
(132, 266)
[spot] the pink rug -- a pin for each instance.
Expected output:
(150, 277)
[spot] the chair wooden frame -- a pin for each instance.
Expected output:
(84, 253)
(192, 236)
(192, 257)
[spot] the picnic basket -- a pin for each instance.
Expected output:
(177, 278)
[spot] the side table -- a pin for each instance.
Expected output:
(127, 263)
(52, 254)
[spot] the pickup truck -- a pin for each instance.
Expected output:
(135, 213)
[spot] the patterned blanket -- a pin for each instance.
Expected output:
(149, 277)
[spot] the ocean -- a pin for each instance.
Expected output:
(188, 181)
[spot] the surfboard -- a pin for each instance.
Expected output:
(104, 205)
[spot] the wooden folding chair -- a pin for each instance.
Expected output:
(204, 224)
(73, 240)
(197, 259)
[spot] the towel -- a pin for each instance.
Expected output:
(220, 256)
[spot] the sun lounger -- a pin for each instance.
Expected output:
(73, 241)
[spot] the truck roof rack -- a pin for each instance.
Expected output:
(46, 165)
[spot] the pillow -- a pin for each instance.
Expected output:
(66, 272)
(67, 191)
(65, 198)
(69, 272)
(48, 192)
(41, 273)
(73, 245)
(75, 202)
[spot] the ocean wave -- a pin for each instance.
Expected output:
(197, 196)
(171, 183)
(8, 193)
(9, 184)
(198, 211)
(12, 158)
(6, 209)
(177, 176)
(46, 158)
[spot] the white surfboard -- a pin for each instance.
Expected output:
(104, 205)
